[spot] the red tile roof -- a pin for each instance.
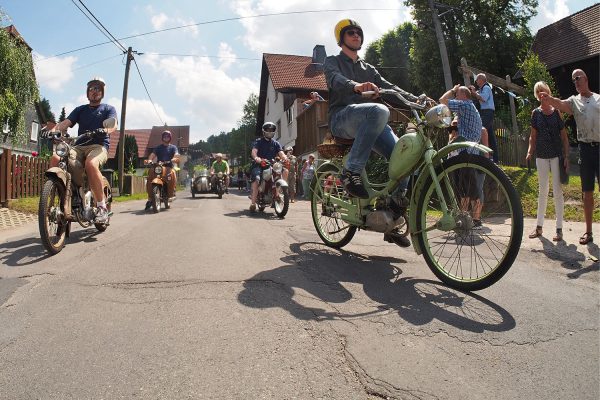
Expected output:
(294, 72)
(148, 139)
(574, 38)
(141, 138)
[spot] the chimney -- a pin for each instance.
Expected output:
(318, 56)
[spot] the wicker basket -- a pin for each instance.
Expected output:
(332, 150)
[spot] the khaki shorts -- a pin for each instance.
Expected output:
(96, 151)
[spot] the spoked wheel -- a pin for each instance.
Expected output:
(326, 216)
(282, 201)
(156, 198)
(488, 216)
(51, 216)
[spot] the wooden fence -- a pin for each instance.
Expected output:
(20, 176)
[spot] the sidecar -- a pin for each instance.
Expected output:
(200, 183)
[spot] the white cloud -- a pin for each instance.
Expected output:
(141, 113)
(53, 73)
(214, 100)
(299, 33)
(159, 21)
(226, 55)
(162, 21)
(549, 12)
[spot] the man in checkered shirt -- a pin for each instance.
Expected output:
(458, 100)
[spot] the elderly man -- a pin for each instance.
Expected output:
(585, 107)
(486, 103)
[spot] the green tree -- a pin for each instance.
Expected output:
(492, 35)
(62, 116)
(18, 88)
(47, 110)
(533, 71)
(131, 154)
(391, 55)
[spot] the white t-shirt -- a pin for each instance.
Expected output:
(586, 111)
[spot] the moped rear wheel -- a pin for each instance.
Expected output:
(326, 216)
(488, 214)
(51, 217)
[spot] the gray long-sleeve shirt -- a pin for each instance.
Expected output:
(342, 74)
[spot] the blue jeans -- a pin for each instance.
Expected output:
(366, 123)
(487, 120)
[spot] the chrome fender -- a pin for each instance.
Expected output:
(281, 183)
(59, 173)
(436, 160)
(157, 181)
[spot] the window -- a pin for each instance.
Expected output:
(34, 131)
(267, 107)
(276, 96)
(290, 114)
(278, 130)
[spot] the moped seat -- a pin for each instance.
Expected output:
(342, 141)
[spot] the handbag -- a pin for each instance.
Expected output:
(564, 174)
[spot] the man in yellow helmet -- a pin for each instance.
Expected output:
(352, 116)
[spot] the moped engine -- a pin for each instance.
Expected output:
(383, 221)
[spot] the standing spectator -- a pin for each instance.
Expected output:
(293, 172)
(585, 107)
(487, 108)
(548, 138)
(240, 177)
(308, 171)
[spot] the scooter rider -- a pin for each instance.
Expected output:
(168, 154)
(219, 165)
(267, 148)
(93, 152)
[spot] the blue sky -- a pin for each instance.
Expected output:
(201, 75)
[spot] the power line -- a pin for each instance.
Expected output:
(147, 92)
(106, 34)
(103, 27)
(97, 62)
(218, 21)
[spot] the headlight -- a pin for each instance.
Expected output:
(158, 170)
(277, 167)
(61, 149)
(267, 174)
(439, 116)
(219, 174)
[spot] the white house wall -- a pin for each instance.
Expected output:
(274, 112)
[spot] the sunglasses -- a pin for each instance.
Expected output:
(353, 32)
(95, 89)
(577, 78)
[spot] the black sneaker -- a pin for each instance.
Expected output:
(148, 205)
(396, 238)
(353, 184)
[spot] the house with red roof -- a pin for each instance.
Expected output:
(286, 81)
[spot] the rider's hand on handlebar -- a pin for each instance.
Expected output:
(257, 160)
(369, 87)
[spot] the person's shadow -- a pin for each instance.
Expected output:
(569, 257)
(320, 271)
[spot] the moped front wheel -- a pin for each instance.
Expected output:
(108, 197)
(326, 216)
(479, 244)
(156, 198)
(282, 201)
(51, 217)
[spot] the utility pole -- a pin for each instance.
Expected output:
(121, 155)
(442, 45)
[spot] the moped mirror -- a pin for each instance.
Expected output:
(109, 123)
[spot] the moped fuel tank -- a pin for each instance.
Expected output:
(407, 152)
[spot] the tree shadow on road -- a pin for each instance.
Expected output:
(321, 272)
(28, 251)
(569, 256)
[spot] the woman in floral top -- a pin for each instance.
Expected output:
(548, 139)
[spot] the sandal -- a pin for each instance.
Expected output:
(586, 238)
(559, 235)
(536, 233)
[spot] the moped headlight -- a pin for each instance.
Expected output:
(439, 116)
(267, 174)
(219, 174)
(158, 170)
(61, 149)
(278, 167)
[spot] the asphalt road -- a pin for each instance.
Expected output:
(208, 301)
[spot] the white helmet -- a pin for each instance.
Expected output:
(288, 148)
(269, 130)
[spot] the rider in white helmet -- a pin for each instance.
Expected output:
(95, 151)
(266, 148)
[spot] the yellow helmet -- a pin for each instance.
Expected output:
(340, 29)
